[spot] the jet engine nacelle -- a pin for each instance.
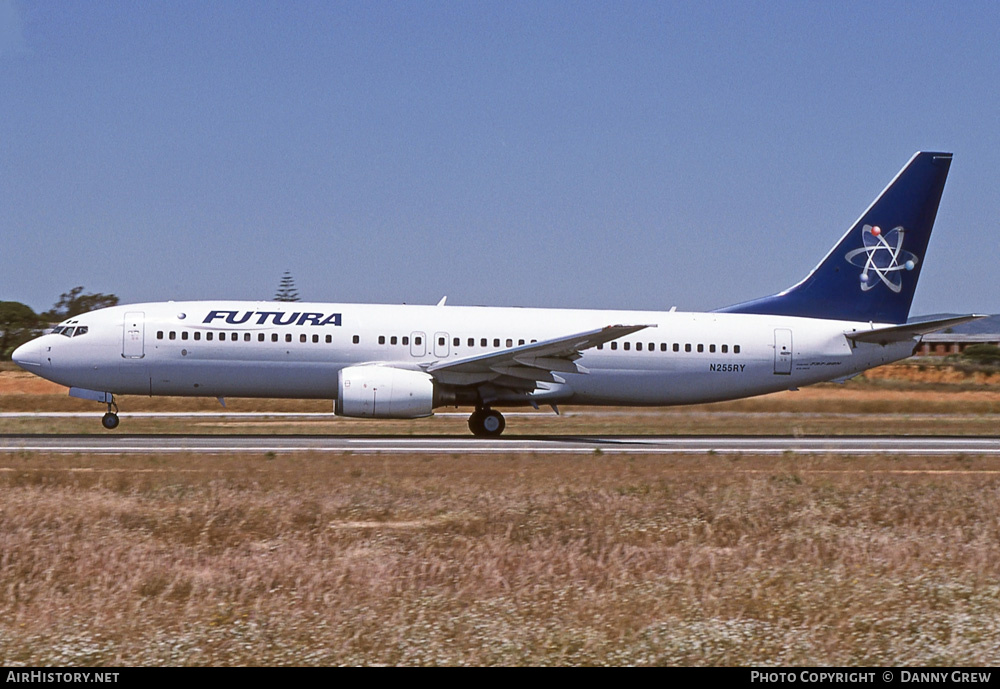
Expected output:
(383, 392)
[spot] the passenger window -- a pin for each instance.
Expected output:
(356, 339)
(418, 341)
(260, 337)
(303, 338)
(274, 337)
(455, 342)
(234, 337)
(159, 333)
(520, 342)
(288, 337)
(482, 342)
(441, 341)
(208, 336)
(627, 346)
(614, 345)
(329, 339)
(677, 347)
(687, 348)
(736, 349)
(600, 346)
(652, 346)
(663, 346)
(711, 348)
(393, 340)
(381, 339)
(406, 340)
(472, 342)
(315, 339)
(701, 348)
(197, 335)
(496, 341)
(172, 335)
(638, 346)
(184, 334)
(725, 349)
(246, 337)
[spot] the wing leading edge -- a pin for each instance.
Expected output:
(522, 368)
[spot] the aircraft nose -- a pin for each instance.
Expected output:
(28, 355)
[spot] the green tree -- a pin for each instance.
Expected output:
(286, 290)
(75, 302)
(982, 354)
(18, 324)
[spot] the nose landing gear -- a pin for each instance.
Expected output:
(110, 420)
(486, 422)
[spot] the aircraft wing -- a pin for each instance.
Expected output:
(907, 331)
(520, 368)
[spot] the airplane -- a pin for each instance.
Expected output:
(403, 361)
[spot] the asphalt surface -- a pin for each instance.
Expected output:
(115, 443)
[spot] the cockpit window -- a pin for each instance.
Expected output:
(81, 330)
(58, 329)
(68, 332)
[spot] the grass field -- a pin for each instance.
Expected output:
(911, 399)
(482, 560)
(314, 559)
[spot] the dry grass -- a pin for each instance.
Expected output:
(485, 560)
(813, 411)
(905, 399)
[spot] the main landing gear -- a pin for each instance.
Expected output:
(110, 420)
(486, 422)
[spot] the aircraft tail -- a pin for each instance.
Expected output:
(871, 274)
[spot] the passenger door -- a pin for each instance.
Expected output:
(133, 335)
(782, 352)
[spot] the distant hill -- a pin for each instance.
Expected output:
(984, 326)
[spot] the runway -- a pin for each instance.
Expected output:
(468, 445)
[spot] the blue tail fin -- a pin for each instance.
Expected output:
(872, 272)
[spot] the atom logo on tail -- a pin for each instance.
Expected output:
(882, 255)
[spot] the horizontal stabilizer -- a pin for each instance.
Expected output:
(907, 331)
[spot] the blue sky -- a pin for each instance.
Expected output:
(612, 155)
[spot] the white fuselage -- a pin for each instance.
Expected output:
(268, 349)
